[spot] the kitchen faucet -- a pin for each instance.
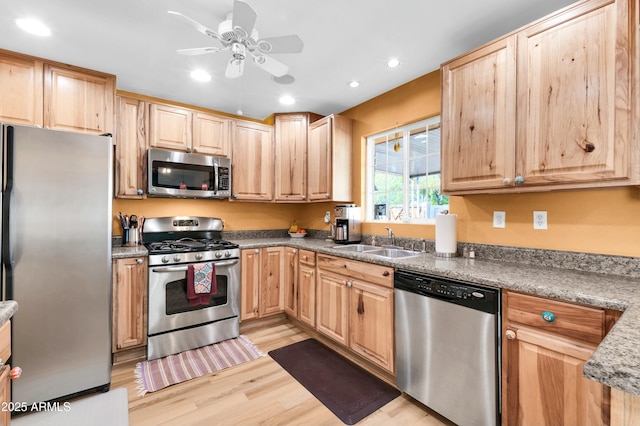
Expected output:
(390, 235)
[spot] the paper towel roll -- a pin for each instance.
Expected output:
(446, 236)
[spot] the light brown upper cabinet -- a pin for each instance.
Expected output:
(131, 148)
(549, 106)
(56, 96)
(252, 162)
(329, 169)
(291, 157)
(183, 129)
(21, 86)
(78, 100)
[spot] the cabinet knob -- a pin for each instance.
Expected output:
(305, 257)
(511, 334)
(519, 180)
(234, 196)
(548, 316)
(506, 181)
(256, 251)
(311, 273)
(294, 251)
(349, 283)
(385, 274)
(139, 261)
(139, 191)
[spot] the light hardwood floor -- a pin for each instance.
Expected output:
(258, 392)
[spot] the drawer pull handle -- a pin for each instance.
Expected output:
(385, 274)
(548, 316)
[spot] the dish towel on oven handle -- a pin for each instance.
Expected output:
(201, 282)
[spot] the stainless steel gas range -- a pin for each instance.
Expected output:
(175, 322)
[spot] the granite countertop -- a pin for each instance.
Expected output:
(616, 361)
(7, 309)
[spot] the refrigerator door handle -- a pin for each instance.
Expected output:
(7, 255)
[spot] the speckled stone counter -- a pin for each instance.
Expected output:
(121, 252)
(615, 363)
(7, 309)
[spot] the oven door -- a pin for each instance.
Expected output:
(169, 308)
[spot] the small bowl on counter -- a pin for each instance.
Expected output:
(297, 234)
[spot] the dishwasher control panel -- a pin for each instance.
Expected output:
(467, 294)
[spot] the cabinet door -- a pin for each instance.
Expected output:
(5, 395)
(291, 157)
(252, 167)
(169, 127)
(573, 96)
(131, 147)
(319, 151)
(271, 278)
(307, 295)
(371, 323)
(290, 281)
(332, 302)
(478, 118)
(129, 306)
(21, 85)
(210, 134)
(544, 381)
(250, 283)
(79, 100)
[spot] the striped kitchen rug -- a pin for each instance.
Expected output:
(159, 373)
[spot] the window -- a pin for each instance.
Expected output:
(403, 174)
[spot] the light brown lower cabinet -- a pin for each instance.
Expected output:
(545, 346)
(129, 303)
(300, 285)
(261, 282)
(355, 307)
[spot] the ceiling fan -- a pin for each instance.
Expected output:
(238, 35)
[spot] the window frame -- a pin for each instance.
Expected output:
(406, 130)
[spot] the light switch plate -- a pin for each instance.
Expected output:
(539, 220)
(499, 219)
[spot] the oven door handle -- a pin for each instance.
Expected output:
(184, 268)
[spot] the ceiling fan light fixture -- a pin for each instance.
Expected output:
(33, 26)
(200, 75)
(287, 100)
(354, 84)
(393, 62)
(285, 79)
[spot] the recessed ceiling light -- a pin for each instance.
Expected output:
(200, 75)
(393, 62)
(287, 100)
(33, 26)
(354, 83)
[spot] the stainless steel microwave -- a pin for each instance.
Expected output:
(182, 175)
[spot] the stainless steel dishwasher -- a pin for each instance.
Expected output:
(448, 346)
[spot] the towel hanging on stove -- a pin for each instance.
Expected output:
(201, 282)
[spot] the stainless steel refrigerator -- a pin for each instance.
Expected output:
(56, 258)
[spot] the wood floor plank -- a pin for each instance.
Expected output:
(259, 392)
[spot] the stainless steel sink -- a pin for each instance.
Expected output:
(394, 253)
(356, 247)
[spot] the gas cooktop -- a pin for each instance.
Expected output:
(188, 244)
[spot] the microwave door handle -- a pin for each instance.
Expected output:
(184, 268)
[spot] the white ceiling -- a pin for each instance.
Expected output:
(344, 40)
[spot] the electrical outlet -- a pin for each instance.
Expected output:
(327, 217)
(539, 220)
(499, 219)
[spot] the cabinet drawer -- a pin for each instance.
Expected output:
(369, 272)
(5, 341)
(307, 257)
(569, 320)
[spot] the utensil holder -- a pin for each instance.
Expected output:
(132, 237)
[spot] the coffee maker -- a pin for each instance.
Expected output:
(348, 226)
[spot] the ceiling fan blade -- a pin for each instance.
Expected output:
(235, 67)
(199, 51)
(197, 25)
(270, 65)
(244, 18)
(281, 44)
